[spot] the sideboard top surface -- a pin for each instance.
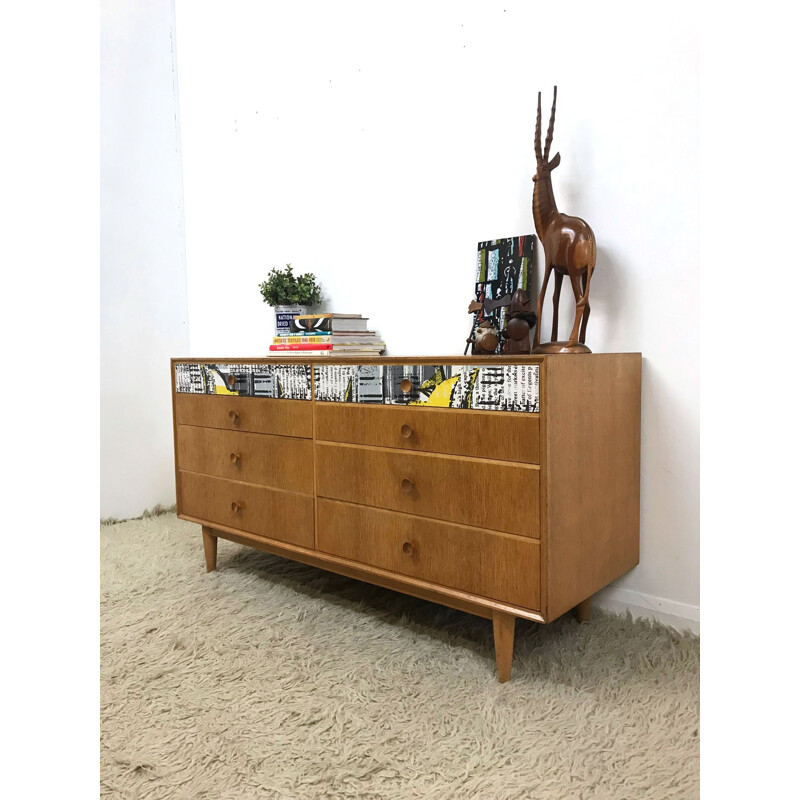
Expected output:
(344, 359)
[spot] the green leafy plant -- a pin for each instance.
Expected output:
(282, 288)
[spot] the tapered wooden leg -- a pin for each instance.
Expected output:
(583, 611)
(210, 549)
(503, 643)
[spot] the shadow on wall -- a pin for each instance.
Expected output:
(608, 300)
(670, 498)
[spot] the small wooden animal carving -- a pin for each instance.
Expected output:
(569, 246)
(486, 338)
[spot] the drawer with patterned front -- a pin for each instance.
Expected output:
(486, 387)
(281, 381)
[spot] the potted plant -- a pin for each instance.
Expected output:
(289, 295)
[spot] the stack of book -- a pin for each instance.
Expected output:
(327, 335)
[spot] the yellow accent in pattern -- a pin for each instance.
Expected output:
(441, 396)
(223, 390)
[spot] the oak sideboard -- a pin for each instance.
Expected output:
(507, 487)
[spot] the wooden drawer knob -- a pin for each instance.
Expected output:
(406, 385)
(233, 416)
(236, 507)
(408, 486)
(408, 548)
(236, 458)
(406, 432)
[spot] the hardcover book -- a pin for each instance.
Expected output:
(327, 323)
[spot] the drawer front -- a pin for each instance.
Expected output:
(289, 381)
(483, 387)
(498, 566)
(281, 462)
(480, 493)
(253, 414)
(285, 516)
(481, 434)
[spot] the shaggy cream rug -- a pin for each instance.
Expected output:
(268, 679)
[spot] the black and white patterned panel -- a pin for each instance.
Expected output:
(288, 381)
(485, 387)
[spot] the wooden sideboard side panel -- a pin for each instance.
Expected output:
(502, 435)
(592, 464)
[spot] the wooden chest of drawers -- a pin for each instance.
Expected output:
(506, 488)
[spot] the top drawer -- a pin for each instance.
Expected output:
(480, 434)
(469, 387)
(282, 381)
(281, 417)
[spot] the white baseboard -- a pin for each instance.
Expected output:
(680, 616)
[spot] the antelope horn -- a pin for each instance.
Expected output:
(537, 143)
(549, 140)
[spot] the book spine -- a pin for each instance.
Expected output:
(305, 339)
(290, 347)
(315, 325)
(329, 316)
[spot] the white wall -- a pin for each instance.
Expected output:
(143, 268)
(376, 145)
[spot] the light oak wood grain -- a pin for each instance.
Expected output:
(210, 548)
(500, 566)
(499, 514)
(253, 414)
(281, 462)
(583, 611)
(509, 436)
(454, 598)
(281, 515)
(485, 494)
(503, 625)
(591, 471)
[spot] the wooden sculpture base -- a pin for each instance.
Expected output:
(560, 347)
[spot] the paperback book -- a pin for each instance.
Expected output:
(288, 348)
(336, 338)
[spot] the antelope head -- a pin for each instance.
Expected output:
(544, 166)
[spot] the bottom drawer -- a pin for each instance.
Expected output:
(285, 516)
(495, 565)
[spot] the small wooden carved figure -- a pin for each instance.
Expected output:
(569, 246)
(521, 319)
(485, 340)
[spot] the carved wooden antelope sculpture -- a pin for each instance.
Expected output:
(569, 246)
